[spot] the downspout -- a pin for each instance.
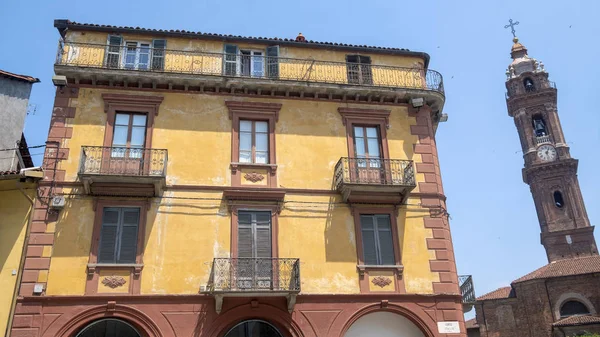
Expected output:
(13, 305)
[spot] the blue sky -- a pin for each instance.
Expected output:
(494, 225)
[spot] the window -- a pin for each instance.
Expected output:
(254, 265)
(367, 145)
(377, 240)
(254, 142)
(109, 327)
(158, 54)
(571, 308)
(137, 55)
(539, 126)
(113, 54)
(129, 136)
(119, 235)
(558, 199)
(251, 63)
(358, 69)
(253, 328)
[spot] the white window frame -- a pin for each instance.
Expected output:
(137, 55)
(252, 51)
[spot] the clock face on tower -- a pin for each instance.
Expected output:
(546, 152)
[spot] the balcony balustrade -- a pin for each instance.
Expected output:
(149, 65)
(467, 291)
(123, 171)
(374, 179)
(542, 139)
(247, 277)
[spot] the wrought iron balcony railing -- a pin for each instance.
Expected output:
(122, 161)
(143, 58)
(466, 289)
(255, 275)
(374, 172)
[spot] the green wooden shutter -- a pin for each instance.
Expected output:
(273, 62)
(230, 60)
(108, 235)
(368, 240)
(158, 54)
(113, 52)
(129, 235)
(386, 242)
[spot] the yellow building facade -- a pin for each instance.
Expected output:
(209, 185)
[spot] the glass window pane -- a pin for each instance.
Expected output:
(120, 136)
(245, 141)
(386, 247)
(383, 223)
(372, 132)
(358, 131)
(373, 148)
(245, 126)
(366, 221)
(122, 119)
(262, 157)
(262, 127)
(137, 136)
(360, 147)
(245, 157)
(262, 142)
(139, 120)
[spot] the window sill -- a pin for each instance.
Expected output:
(137, 267)
(235, 166)
(363, 268)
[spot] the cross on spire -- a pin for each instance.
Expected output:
(512, 26)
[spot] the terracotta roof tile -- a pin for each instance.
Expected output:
(578, 320)
(8, 173)
(471, 324)
(566, 267)
(19, 77)
(504, 292)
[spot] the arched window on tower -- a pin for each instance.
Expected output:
(539, 126)
(558, 199)
(572, 308)
(528, 84)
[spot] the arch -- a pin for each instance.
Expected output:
(142, 323)
(404, 312)
(540, 127)
(528, 84)
(558, 199)
(572, 308)
(573, 297)
(118, 324)
(274, 316)
(266, 328)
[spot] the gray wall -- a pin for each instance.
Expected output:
(14, 98)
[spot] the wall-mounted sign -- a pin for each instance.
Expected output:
(448, 327)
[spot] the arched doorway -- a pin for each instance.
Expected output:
(108, 327)
(253, 328)
(383, 324)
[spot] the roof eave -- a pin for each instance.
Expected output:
(63, 26)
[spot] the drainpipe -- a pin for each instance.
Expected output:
(13, 305)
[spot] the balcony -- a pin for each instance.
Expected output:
(468, 291)
(374, 180)
(122, 171)
(249, 277)
(542, 139)
(146, 67)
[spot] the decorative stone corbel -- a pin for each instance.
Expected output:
(218, 303)
(291, 302)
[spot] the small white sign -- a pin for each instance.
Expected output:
(448, 327)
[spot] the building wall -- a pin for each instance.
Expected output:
(196, 129)
(14, 98)
(15, 210)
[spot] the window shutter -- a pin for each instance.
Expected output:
(273, 62)
(245, 240)
(129, 236)
(263, 241)
(230, 60)
(368, 238)
(108, 235)
(386, 242)
(113, 52)
(158, 54)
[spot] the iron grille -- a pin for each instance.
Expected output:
(148, 59)
(374, 172)
(255, 274)
(466, 289)
(123, 161)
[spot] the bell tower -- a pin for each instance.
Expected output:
(549, 170)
